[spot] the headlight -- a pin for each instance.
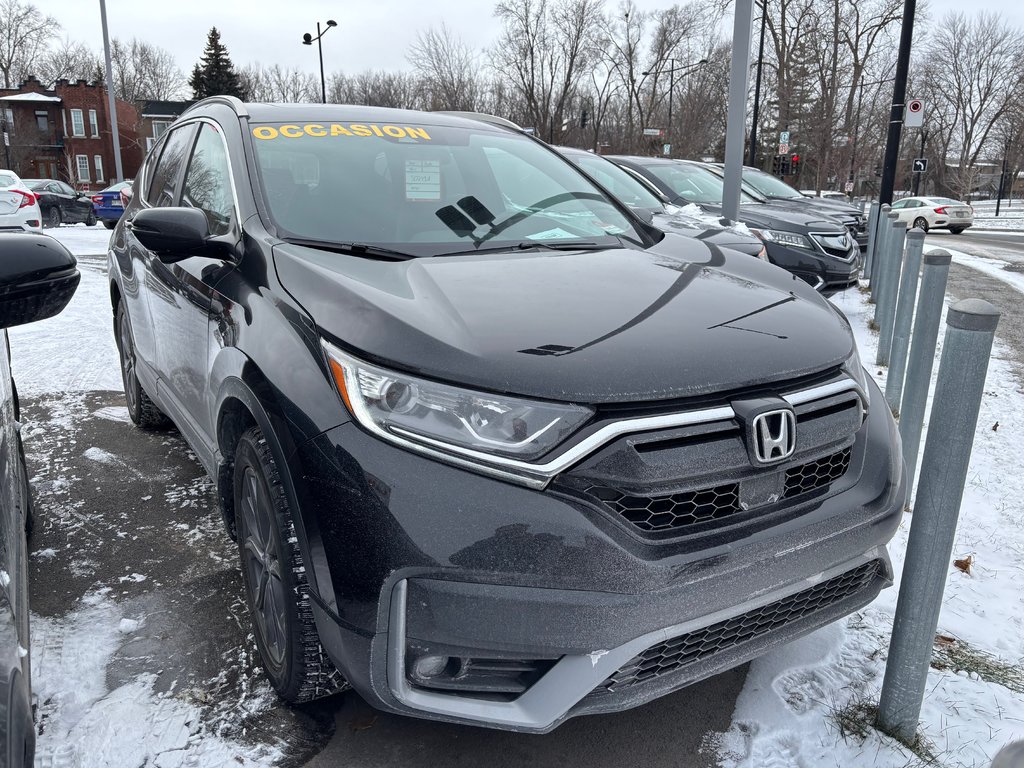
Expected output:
(762, 254)
(481, 425)
(853, 368)
(783, 238)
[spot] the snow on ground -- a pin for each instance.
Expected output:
(42, 362)
(785, 714)
(1011, 217)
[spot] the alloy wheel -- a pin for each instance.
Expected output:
(127, 349)
(263, 568)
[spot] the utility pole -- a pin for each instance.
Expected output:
(111, 100)
(899, 97)
(739, 77)
(1002, 179)
(752, 157)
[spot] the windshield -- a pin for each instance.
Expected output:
(693, 184)
(769, 186)
(426, 190)
(629, 190)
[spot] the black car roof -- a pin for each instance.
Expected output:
(651, 160)
(304, 113)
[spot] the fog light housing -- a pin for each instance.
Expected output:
(427, 667)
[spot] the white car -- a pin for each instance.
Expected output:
(827, 194)
(934, 213)
(19, 206)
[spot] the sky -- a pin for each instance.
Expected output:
(372, 34)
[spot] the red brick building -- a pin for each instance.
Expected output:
(64, 133)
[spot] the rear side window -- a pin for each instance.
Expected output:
(163, 188)
(207, 181)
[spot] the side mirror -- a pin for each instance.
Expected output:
(38, 277)
(174, 234)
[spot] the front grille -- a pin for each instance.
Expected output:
(834, 246)
(679, 652)
(676, 510)
(679, 511)
(816, 474)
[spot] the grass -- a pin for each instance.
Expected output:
(858, 720)
(951, 654)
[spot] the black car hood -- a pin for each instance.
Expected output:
(763, 215)
(817, 206)
(680, 319)
(718, 234)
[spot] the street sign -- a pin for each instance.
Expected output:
(783, 149)
(915, 114)
(7, 139)
(783, 137)
(920, 164)
(849, 186)
(652, 131)
(666, 149)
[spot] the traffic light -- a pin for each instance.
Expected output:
(584, 119)
(794, 165)
(784, 166)
(777, 165)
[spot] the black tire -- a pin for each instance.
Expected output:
(90, 220)
(142, 410)
(956, 230)
(921, 223)
(275, 580)
(17, 731)
(109, 224)
(30, 515)
(53, 218)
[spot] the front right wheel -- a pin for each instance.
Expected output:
(275, 579)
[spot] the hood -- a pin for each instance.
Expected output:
(683, 318)
(765, 216)
(692, 222)
(819, 207)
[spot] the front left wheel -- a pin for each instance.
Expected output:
(275, 579)
(141, 409)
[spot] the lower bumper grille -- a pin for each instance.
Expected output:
(677, 653)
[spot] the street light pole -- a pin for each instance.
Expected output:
(307, 39)
(899, 98)
(111, 100)
(672, 84)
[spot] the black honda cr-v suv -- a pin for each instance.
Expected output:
(494, 451)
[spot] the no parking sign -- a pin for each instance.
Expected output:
(915, 114)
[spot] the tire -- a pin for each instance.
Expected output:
(921, 223)
(53, 218)
(109, 224)
(276, 588)
(142, 410)
(17, 732)
(956, 230)
(90, 220)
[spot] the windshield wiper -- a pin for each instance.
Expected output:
(356, 249)
(529, 245)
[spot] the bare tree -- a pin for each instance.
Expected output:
(447, 69)
(67, 61)
(543, 53)
(279, 84)
(144, 71)
(25, 33)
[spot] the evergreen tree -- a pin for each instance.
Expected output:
(214, 74)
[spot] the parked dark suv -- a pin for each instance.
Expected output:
(494, 451)
(813, 246)
(37, 279)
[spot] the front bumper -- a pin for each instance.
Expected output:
(826, 274)
(410, 554)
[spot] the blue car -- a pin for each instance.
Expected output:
(108, 204)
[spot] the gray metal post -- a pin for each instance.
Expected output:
(970, 328)
(736, 120)
(885, 309)
(872, 228)
(904, 319)
(922, 356)
(111, 100)
(882, 232)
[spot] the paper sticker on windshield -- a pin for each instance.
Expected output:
(553, 234)
(339, 130)
(422, 180)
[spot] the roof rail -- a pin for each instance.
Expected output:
(482, 117)
(232, 101)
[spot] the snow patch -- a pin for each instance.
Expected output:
(49, 553)
(101, 456)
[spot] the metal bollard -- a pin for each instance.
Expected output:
(904, 318)
(970, 328)
(885, 310)
(872, 227)
(882, 231)
(922, 356)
